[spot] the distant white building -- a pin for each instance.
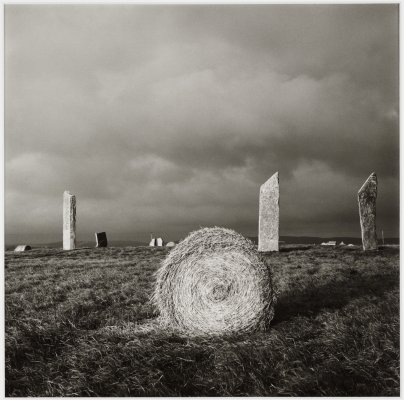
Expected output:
(159, 242)
(22, 247)
(329, 243)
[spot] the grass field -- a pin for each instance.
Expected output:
(77, 325)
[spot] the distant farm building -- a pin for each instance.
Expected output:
(22, 247)
(158, 242)
(329, 243)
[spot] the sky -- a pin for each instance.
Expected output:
(168, 118)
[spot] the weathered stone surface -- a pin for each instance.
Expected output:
(160, 242)
(22, 247)
(268, 224)
(69, 221)
(101, 239)
(152, 242)
(367, 212)
(170, 244)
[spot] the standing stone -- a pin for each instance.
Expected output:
(268, 224)
(69, 221)
(152, 242)
(159, 242)
(367, 212)
(101, 239)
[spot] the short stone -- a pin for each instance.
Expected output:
(101, 239)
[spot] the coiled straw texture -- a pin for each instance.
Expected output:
(214, 282)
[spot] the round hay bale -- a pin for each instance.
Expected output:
(214, 282)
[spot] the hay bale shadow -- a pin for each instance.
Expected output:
(310, 301)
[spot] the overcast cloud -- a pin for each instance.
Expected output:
(167, 118)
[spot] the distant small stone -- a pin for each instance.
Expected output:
(170, 244)
(22, 247)
(101, 239)
(367, 212)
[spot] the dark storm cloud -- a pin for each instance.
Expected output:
(170, 117)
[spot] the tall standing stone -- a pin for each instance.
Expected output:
(268, 224)
(367, 212)
(69, 221)
(101, 239)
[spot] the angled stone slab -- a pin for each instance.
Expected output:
(152, 242)
(268, 223)
(69, 221)
(159, 242)
(101, 239)
(367, 212)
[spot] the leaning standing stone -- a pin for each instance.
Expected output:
(101, 239)
(268, 224)
(69, 221)
(367, 212)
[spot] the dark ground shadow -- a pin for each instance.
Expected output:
(332, 296)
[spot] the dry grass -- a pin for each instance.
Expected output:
(80, 323)
(214, 282)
